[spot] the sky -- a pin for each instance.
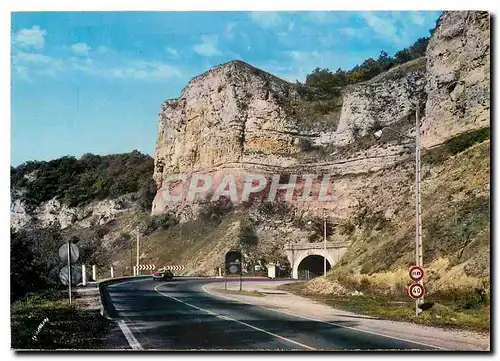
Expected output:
(93, 82)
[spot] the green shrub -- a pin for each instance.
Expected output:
(79, 181)
(159, 222)
(328, 82)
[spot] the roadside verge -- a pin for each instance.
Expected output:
(301, 307)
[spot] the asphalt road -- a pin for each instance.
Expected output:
(180, 315)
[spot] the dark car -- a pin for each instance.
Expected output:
(163, 275)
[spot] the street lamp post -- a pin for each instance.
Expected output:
(418, 200)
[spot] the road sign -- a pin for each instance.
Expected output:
(233, 262)
(233, 268)
(416, 273)
(76, 275)
(146, 267)
(416, 291)
(174, 267)
(63, 252)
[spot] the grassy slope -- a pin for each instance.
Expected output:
(198, 244)
(68, 327)
(456, 239)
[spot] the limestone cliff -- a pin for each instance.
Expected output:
(237, 119)
(458, 76)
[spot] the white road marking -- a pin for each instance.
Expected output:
(234, 320)
(132, 341)
(328, 323)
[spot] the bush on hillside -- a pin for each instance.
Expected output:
(328, 82)
(77, 182)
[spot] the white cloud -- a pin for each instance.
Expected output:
(417, 18)
(103, 49)
(80, 49)
(22, 72)
(30, 38)
(25, 65)
(128, 70)
(351, 32)
(31, 58)
(208, 46)
(172, 52)
(384, 26)
(266, 19)
(318, 16)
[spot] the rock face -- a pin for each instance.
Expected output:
(236, 119)
(383, 100)
(221, 114)
(96, 213)
(458, 76)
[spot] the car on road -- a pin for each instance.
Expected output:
(163, 275)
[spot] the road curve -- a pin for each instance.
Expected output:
(180, 315)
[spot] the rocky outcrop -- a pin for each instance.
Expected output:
(458, 76)
(382, 101)
(236, 118)
(53, 211)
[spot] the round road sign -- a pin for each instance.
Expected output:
(63, 252)
(76, 275)
(233, 268)
(416, 291)
(416, 273)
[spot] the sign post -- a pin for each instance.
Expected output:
(69, 271)
(69, 253)
(416, 291)
(233, 265)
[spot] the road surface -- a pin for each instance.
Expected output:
(180, 315)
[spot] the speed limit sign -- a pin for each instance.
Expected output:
(416, 291)
(416, 273)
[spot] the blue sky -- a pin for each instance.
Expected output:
(93, 82)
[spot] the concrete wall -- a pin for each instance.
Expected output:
(296, 255)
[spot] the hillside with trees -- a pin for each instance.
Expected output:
(76, 182)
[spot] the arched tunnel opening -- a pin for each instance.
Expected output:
(312, 266)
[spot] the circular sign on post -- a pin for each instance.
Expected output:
(233, 262)
(63, 252)
(233, 268)
(416, 273)
(416, 291)
(76, 275)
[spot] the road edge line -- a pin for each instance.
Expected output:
(132, 341)
(326, 322)
(235, 320)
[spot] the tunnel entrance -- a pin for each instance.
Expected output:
(312, 266)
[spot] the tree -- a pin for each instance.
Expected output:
(385, 61)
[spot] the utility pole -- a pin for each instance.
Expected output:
(137, 262)
(324, 243)
(419, 259)
(418, 202)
